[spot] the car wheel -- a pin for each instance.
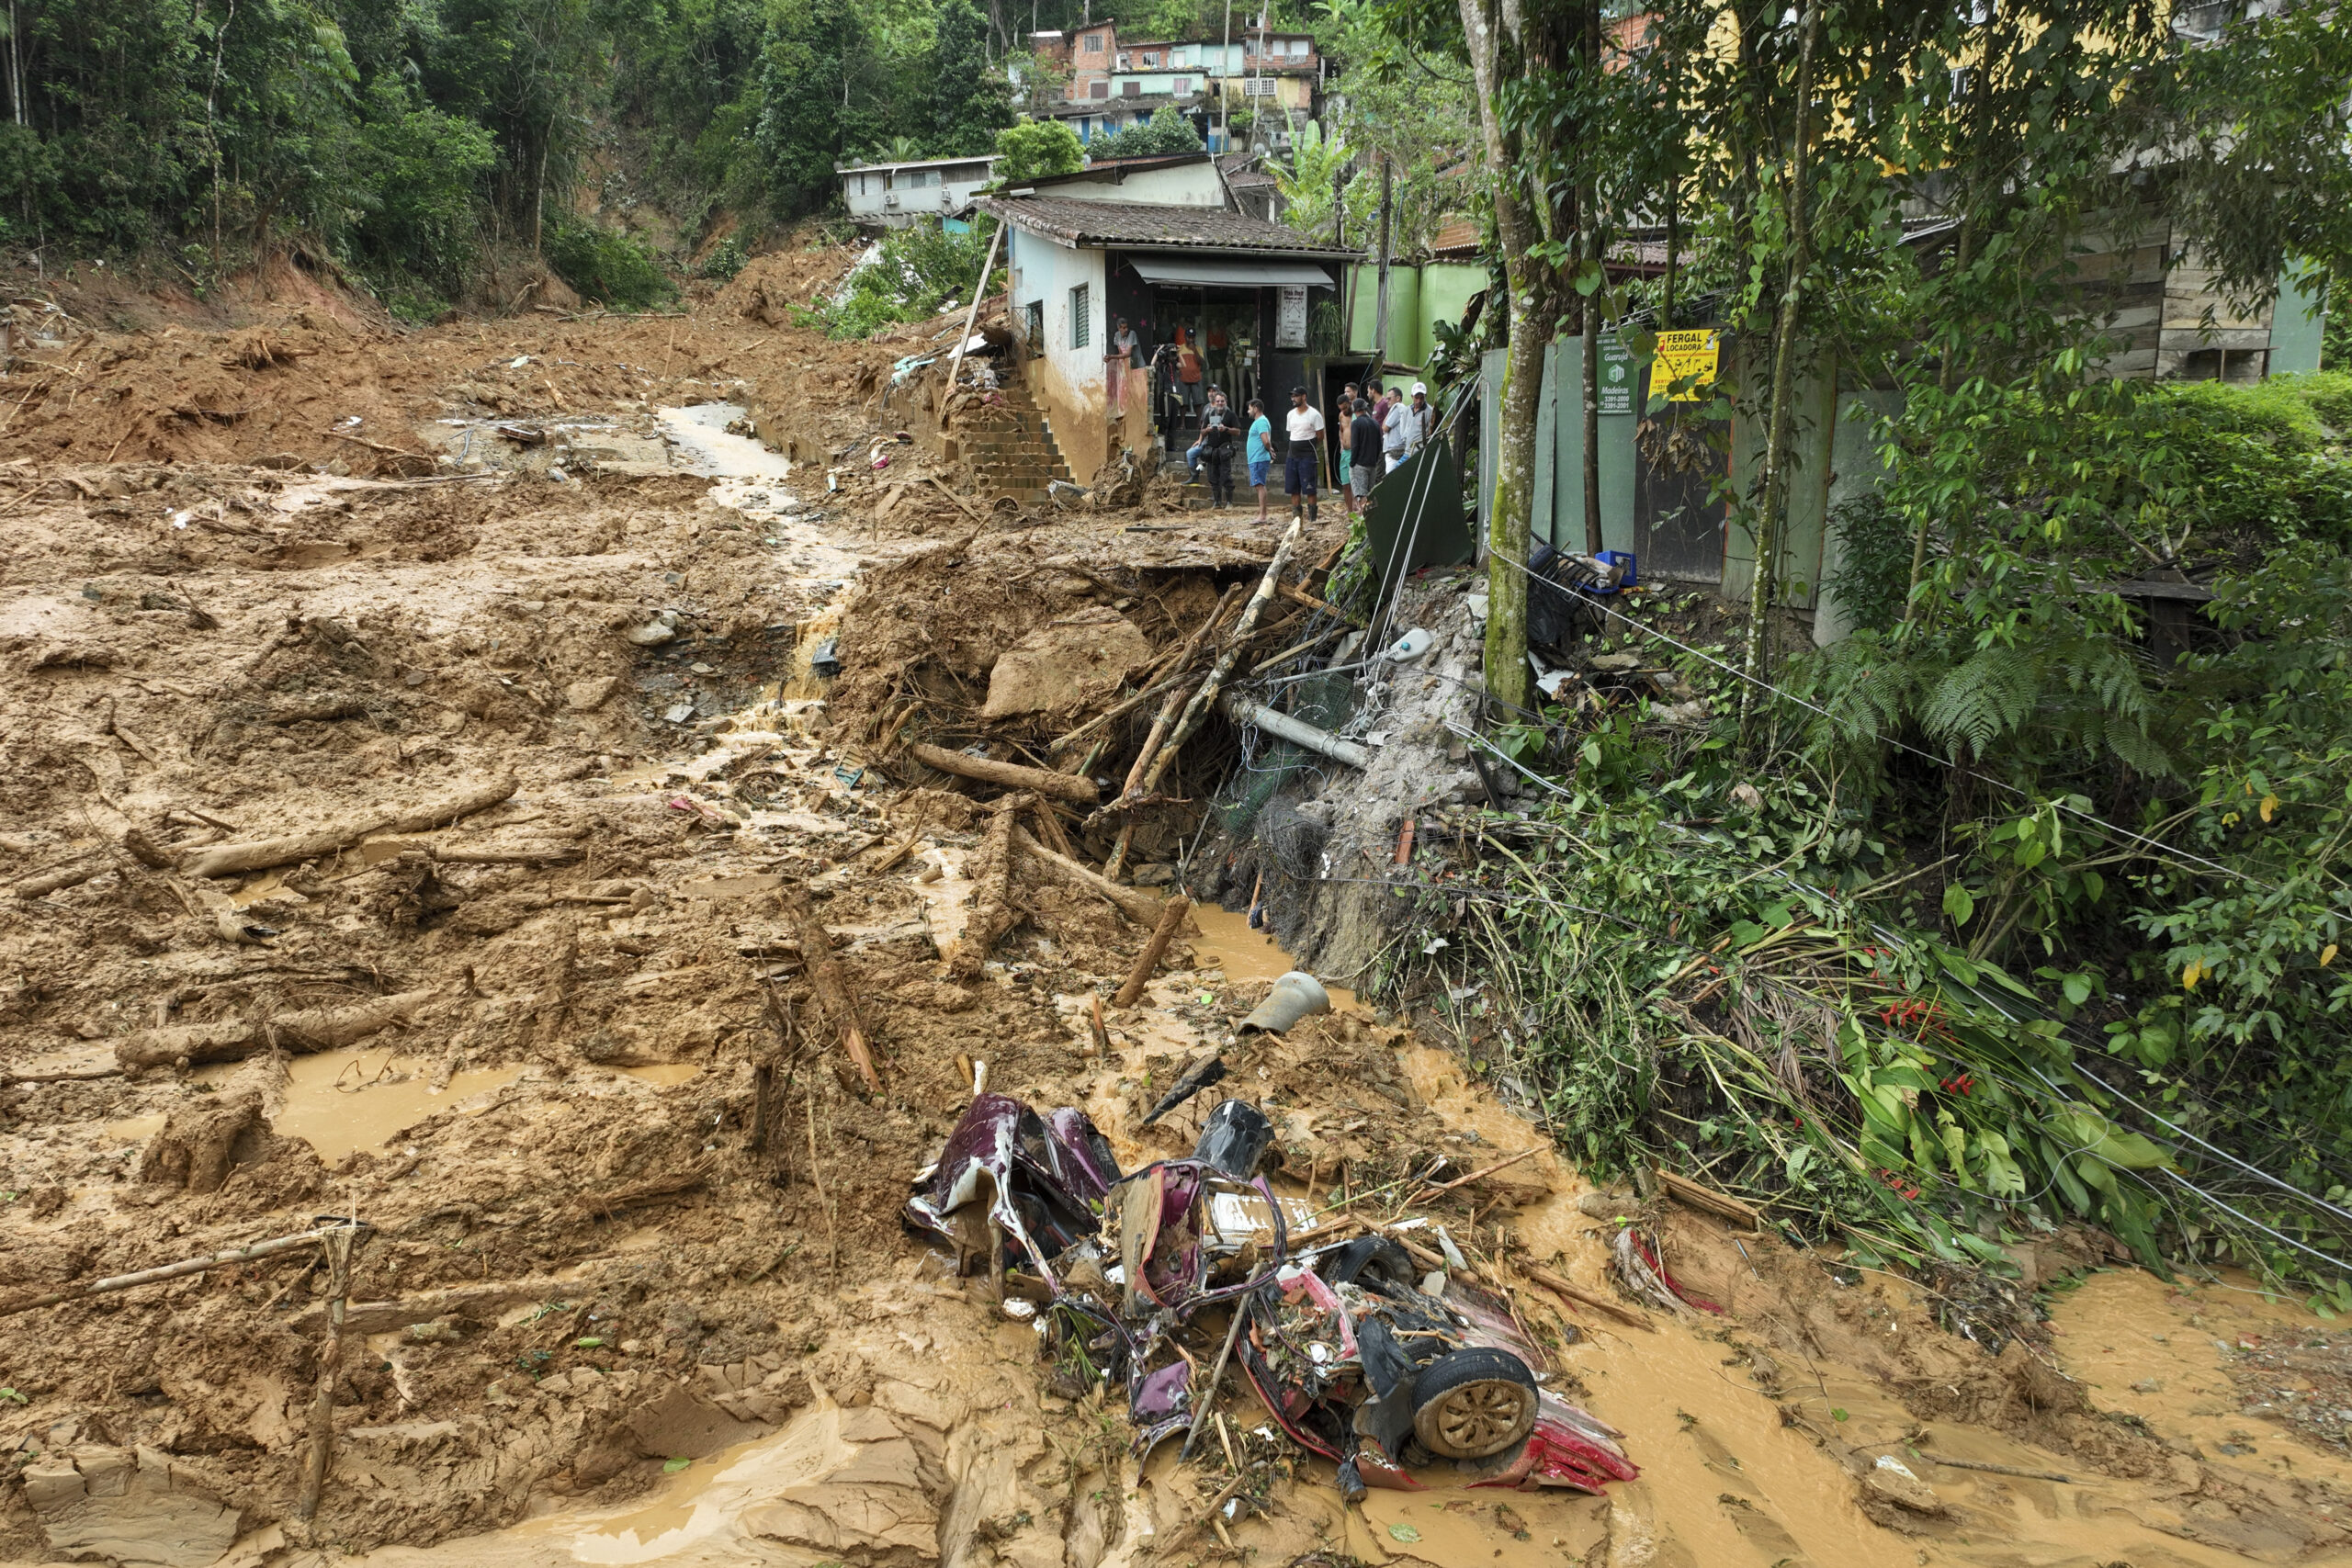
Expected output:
(1474, 1404)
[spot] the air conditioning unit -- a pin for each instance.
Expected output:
(891, 199)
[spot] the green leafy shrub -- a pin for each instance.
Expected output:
(920, 268)
(2328, 394)
(1036, 148)
(726, 259)
(1165, 134)
(605, 265)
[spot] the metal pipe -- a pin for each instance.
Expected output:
(1296, 730)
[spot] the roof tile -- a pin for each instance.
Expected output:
(1155, 224)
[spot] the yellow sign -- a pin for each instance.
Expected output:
(1690, 357)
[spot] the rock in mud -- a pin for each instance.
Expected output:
(129, 1505)
(1892, 1481)
(587, 696)
(1059, 668)
(874, 1502)
(662, 629)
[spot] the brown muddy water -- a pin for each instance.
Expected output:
(1733, 1476)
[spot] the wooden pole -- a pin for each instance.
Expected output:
(972, 314)
(1147, 961)
(1011, 775)
(337, 1245)
(259, 1250)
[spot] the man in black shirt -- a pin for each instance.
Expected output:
(1363, 455)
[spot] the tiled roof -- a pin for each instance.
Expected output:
(1151, 224)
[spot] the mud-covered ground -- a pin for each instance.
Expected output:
(635, 1289)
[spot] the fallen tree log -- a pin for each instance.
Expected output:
(261, 855)
(73, 874)
(1582, 1297)
(303, 1030)
(1011, 775)
(255, 1253)
(1133, 902)
(1170, 917)
(992, 910)
(827, 978)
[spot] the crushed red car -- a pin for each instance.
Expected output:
(1355, 1355)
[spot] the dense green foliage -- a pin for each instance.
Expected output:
(417, 144)
(1165, 133)
(918, 270)
(1036, 148)
(2022, 903)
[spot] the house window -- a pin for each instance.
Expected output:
(1097, 89)
(1258, 87)
(1123, 63)
(1131, 89)
(1094, 43)
(1183, 85)
(1033, 326)
(1082, 319)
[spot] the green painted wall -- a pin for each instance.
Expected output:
(1811, 439)
(1557, 514)
(1419, 296)
(2297, 322)
(1564, 524)
(1855, 470)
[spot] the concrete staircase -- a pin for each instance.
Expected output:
(1008, 447)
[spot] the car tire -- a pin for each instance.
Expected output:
(1474, 1404)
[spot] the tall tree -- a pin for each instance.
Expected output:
(970, 99)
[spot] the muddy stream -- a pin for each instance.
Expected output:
(1731, 1475)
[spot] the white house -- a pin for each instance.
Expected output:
(1157, 243)
(895, 195)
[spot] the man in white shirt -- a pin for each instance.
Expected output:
(1407, 430)
(1301, 462)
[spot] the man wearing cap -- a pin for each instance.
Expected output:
(1305, 423)
(1407, 429)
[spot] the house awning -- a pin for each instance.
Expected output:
(1230, 272)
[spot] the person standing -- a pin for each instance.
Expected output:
(1304, 426)
(1346, 410)
(1216, 453)
(1188, 369)
(1363, 455)
(1120, 355)
(1407, 427)
(1259, 452)
(1217, 411)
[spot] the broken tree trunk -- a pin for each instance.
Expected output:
(303, 1030)
(260, 854)
(73, 874)
(827, 978)
(1147, 776)
(1136, 904)
(1174, 667)
(253, 1254)
(337, 1246)
(1147, 961)
(992, 910)
(1011, 775)
(1197, 709)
